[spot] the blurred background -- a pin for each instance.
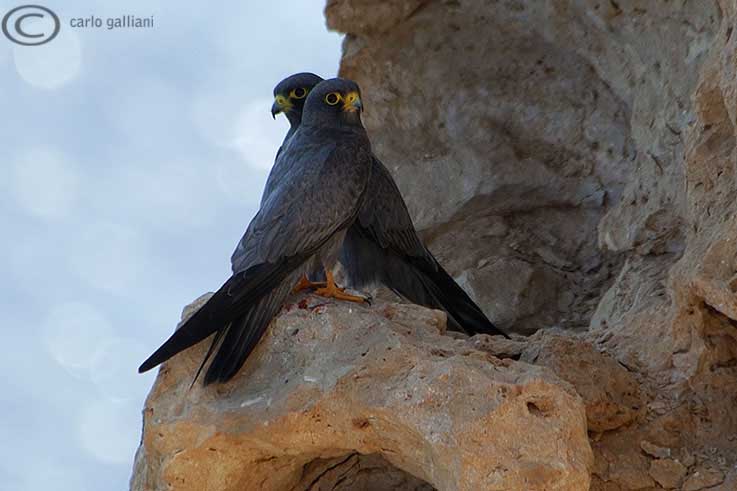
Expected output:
(131, 161)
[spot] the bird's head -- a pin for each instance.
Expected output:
(290, 95)
(336, 101)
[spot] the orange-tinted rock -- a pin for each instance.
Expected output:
(611, 394)
(329, 384)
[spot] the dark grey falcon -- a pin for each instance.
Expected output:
(300, 226)
(383, 246)
(289, 98)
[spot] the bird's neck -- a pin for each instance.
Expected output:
(289, 134)
(294, 118)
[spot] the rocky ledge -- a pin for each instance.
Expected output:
(345, 397)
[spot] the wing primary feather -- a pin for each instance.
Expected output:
(230, 302)
(419, 279)
(194, 330)
(457, 304)
(230, 344)
(244, 336)
(215, 340)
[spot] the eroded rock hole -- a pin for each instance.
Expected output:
(356, 472)
(533, 409)
(539, 408)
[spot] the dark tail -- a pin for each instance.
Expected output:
(420, 280)
(243, 334)
(461, 310)
(198, 327)
(240, 305)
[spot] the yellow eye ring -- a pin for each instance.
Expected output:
(333, 98)
(298, 93)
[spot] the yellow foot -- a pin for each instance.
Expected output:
(305, 284)
(331, 290)
(339, 294)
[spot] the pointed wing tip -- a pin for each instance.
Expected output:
(146, 366)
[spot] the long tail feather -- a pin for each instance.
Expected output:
(456, 302)
(232, 301)
(197, 328)
(215, 342)
(244, 335)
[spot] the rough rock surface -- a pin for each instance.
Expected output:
(573, 163)
(668, 473)
(703, 478)
(611, 393)
(345, 397)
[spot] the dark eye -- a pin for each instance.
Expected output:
(298, 93)
(332, 98)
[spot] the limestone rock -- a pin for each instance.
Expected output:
(668, 473)
(337, 392)
(572, 164)
(499, 346)
(703, 478)
(654, 450)
(730, 482)
(611, 394)
(369, 17)
(619, 464)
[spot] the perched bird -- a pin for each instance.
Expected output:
(382, 246)
(289, 98)
(300, 225)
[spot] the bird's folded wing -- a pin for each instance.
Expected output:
(302, 214)
(385, 235)
(384, 215)
(304, 211)
(280, 176)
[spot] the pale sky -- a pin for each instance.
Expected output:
(131, 161)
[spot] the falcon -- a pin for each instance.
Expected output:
(299, 227)
(382, 246)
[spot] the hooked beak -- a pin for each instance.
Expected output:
(352, 103)
(281, 105)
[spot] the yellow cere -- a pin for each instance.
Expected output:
(283, 102)
(348, 101)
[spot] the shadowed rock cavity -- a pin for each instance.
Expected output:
(355, 472)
